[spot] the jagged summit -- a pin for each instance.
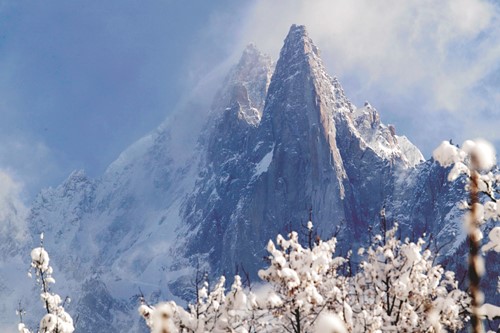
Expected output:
(301, 103)
(252, 63)
(382, 138)
(299, 55)
(300, 62)
(298, 51)
(298, 42)
(245, 88)
(251, 54)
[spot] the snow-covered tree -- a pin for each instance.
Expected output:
(302, 283)
(213, 311)
(476, 160)
(56, 320)
(305, 282)
(396, 288)
(399, 289)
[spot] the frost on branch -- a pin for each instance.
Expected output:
(398, 289)
(302, 282)
(447, 154)
(213, 311)
(482, 152)
(305, 280)
(330, 323)
(476, 159)
(57, 320)
(160, 319)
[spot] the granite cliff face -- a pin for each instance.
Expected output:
(281, 140)
(312, 150)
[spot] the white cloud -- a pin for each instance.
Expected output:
(29, 160)
(13, 211)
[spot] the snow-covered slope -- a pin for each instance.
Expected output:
(281, 140)
(383, 139)
(14, 235)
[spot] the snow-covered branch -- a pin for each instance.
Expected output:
(56, 320)
(399, 289)
(475, 160)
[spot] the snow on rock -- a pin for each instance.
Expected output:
(409, 150)
(383, 139)
(246, 87)
(263, 165)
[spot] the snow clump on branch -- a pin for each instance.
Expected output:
(57, 320)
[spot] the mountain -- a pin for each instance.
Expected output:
(281, 142)
(311, 149)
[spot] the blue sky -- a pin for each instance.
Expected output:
(82, 80)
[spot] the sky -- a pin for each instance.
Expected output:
(82, 80)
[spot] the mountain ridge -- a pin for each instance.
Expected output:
(282, 140)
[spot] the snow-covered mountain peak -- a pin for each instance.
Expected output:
(251, 55)
(382, 138)
(300, 107)
(238, 106)
(366, 117)
(252, 64)
(300, 58)
(76, 177)
(340, 98)
(246, 86)
(298, 42)
(299, 53)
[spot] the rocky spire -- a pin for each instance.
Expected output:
(301, 104)
(246, 86)
(298, 47)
